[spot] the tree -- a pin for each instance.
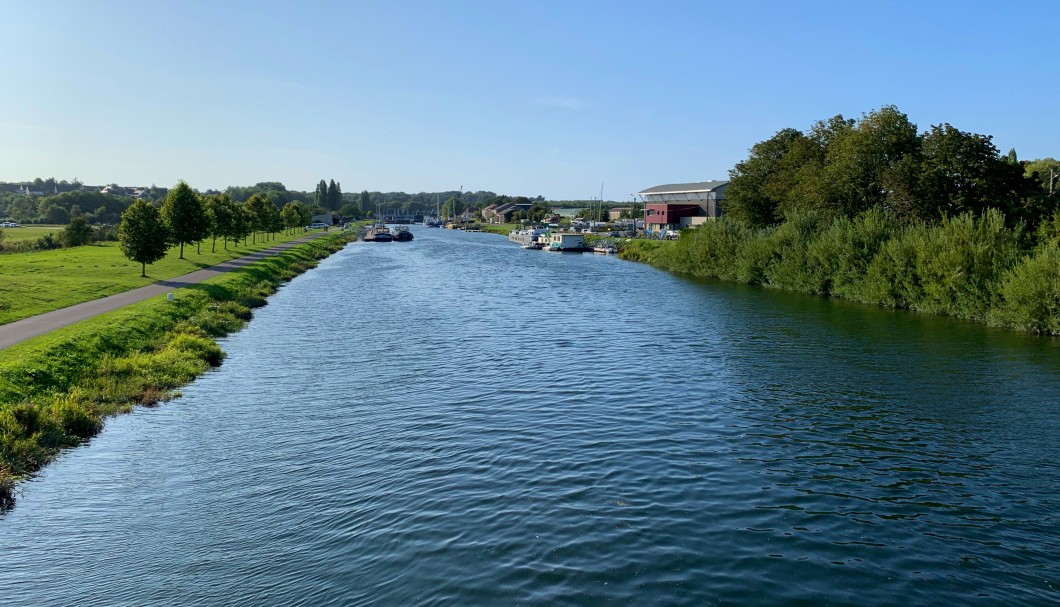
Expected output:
(259, 211)
(321, 198)
(185, 216)
(759, 185)
(222, 212)
(142, 235)
(366, 202)
(77, 233)
(334, 196)
(290, 216)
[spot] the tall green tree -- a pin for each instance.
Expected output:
(77, 233)
(366, 202)
(222, 213)
(142, 235)
(185, 216)
(259, 212)
(291, 217)
(321, 198)
(334, 196)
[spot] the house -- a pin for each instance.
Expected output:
(680, 205)
(614, 214)
(565, 241)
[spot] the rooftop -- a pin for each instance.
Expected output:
(683, 188)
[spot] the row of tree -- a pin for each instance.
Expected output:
(843, 167)
(147, 232)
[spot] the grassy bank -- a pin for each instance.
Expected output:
(967, 267)
(56, 390)
(31, 232)
(42, 281)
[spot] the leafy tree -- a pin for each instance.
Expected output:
(366, 202)
(54, 213)
(290, 216)
(185, 216)
(143, 235)
(757, 186)
(452, 207)
(321, 198)
(222, 213)
(259, 214)
(334, 196)
(77, 233)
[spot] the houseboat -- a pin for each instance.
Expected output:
(402, 234)
(378, 233)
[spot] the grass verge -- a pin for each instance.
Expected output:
(41, 281)
(57, 390)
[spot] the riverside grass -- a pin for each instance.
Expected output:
(56, 390)
(36, 282)
(967, 267)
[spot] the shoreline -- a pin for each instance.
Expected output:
(57, 389)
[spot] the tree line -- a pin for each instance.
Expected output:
(185, 217)
(843, 167)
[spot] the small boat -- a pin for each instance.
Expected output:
(605, 248)
(378, 233)
(402, 234)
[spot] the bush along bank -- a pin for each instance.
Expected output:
(57, 390)
(969, 267)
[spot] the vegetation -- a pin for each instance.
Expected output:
(875, 212)
(967, 266)
(57, 390)
(184, 216)
(143, 235)
(41, 281)
(845, 167)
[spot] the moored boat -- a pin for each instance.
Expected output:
(402, 234)
(378, 233)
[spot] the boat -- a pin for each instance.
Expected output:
(402, 234)
(605, 248)
(378, 233)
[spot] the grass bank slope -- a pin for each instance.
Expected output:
(56, 390)
(41, 281)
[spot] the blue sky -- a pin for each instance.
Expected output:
(549, 98)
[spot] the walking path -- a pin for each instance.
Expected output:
(34, 326)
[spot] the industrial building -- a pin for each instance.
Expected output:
(680, 205)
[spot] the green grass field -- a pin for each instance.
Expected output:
(30, 232)
(41, 281)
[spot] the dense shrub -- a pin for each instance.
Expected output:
(1031, 293)
(968, 266)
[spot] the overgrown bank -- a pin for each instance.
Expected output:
(56, 390)
(966, 267)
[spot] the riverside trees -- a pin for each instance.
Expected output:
(185, 216)
(842, 167)
(143, 235)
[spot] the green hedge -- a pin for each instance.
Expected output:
(966, 266)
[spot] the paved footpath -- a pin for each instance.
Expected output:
(27, 328)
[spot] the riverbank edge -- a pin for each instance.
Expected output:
(57, 390)
(998, 283)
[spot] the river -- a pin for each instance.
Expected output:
(457, 421)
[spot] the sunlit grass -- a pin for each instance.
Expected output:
(56, 390)
(41, 281)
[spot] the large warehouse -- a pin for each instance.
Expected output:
(679, 205)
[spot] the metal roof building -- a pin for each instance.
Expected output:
(678, 205)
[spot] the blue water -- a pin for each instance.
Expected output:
(457, 421)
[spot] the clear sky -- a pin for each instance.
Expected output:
(519, 97)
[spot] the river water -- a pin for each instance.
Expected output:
(457, 421)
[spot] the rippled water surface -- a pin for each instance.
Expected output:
(456, 421)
